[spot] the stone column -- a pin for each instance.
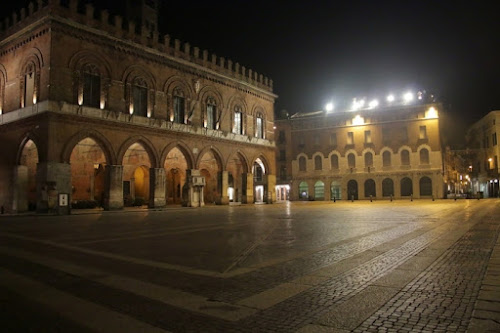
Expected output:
(113, 190)
(20, 203)
(223, 177)
(248, 187)
(271, 189)
(53, 179)
(157, 188)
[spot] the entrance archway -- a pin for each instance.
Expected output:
(88, 163)
(26, 178)
(370, 189)
(387, 187)
(425, 186)
(335, 190)
(352, 189)
(236, 167)
(210, 167)
(136, 165)
(406, 187)
(259, 181)
(175, 167)
(319, 190)
(303, 191)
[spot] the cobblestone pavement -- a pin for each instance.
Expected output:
(421, 266)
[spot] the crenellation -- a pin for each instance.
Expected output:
(85, 13)
(89, 13)
(131, 28)
(118, 25)
(166, 43)
(237, 70)
(73, 6)
(105, 17)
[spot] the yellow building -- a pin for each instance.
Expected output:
(484, 169)
(365, 152)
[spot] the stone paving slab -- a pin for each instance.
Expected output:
(306, 267)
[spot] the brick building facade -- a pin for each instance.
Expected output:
(393, 151)
(100, 107)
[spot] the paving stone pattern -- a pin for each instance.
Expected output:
(423, 266)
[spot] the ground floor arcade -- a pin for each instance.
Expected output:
(112, 169)
(428, 184)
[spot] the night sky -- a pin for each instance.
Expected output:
(318, 51)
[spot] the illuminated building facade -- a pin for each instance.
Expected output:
(378, 152)
(101, 108)
(483, 143)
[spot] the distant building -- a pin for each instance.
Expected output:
(379, 153)
(482, 141)
(101, 109)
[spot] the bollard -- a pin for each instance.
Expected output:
(370, 198)
(433, 197)
(352, 198)
(391, 197)
(411, 197)
(334, 199)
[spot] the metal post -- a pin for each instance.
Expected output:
(352, 198)
(334, 199)
(411, 197)
(370, 198)
(391, 197)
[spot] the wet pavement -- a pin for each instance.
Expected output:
(421, 266)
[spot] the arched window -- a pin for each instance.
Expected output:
(335, 190)
(238, 120)
(319, 190)
(386, 158)
(140, 97)
(406, 187)
(387, 187)
(211, 115)
(259, 126)
(370, 188)
(424, 156)
(179, 106)
(29, 85)
(303, 190)
(368, 159)
(405, 157)
(91, 82)
(334, 161)
(318, 162)
(425, 186)
(351, 160)
(302, 163)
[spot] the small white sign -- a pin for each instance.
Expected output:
(63, 199)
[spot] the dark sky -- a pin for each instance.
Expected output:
(321, 50)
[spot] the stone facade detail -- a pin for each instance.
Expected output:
(91, 108)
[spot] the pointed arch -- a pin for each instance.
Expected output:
(99, 138)
(239, 155)
(215, 151)
(183, 148)
(145, 143)
(22, 142)
(29, 78)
